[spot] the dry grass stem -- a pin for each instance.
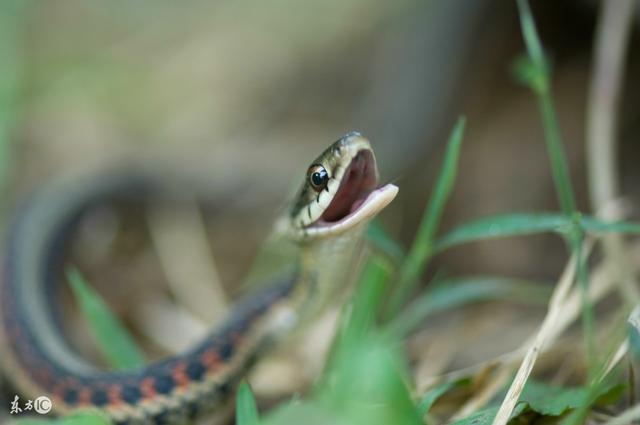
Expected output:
(547, 329)
(480, 399)
(619, 354)
(169, 325)
(179, 238)
(600, 285)
(612, 37)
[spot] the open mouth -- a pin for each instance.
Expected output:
(359, 179)
(358, 196)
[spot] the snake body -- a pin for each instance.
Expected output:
(338, 196)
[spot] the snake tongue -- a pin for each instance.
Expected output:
(358, 182)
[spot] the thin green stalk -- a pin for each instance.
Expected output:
(576, 241)
(556, 153)
(539, 82)
(536, 75)
(423, 244)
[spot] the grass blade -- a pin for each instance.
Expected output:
(365, 378)
(360, 316)
(594, 225)
(454, 293)
(541, 86)
(501, 226)
(435, 393)
(246, 410)
(114, 341)
(370, 294)
(379, 238)
(422, 246)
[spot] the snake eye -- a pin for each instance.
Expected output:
(318, 177)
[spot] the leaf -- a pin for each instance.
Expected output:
(435, 393)
(500, 226)
(548, 400)
(366, 383)
(601, 393)
(486, 416)
(453, 293)
(551, 400)
(246, 410)
(365, 380)
(89, 418)
(527, 73)
(114, 341)
(369, 296)
(381, 240)
(308, 413)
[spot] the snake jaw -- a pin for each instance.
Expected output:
(361, 211)
(358, 180)
(350, 197)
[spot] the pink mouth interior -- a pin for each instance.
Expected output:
(358, 181)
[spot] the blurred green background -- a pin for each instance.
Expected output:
(268, 85)
(257, 89)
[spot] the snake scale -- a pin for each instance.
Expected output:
(340, 194)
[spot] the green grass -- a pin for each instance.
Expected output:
(448, 294)
(246, 410)
(87, 418)
(422, 246)
(521, 224)
(113, 339)
(367, 378)
(391, 398)
(535, 73)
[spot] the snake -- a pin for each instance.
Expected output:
(339, 195)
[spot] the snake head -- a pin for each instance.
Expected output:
(340, 191)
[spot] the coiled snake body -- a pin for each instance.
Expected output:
(338, 197)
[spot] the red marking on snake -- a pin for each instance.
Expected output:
(44, 376)
(211, 359)
(58, 392)
(179, 374)
(84, 396)
(114, 392)
(147, 387)
(237, 339)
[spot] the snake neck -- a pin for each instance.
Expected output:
(328, 268)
